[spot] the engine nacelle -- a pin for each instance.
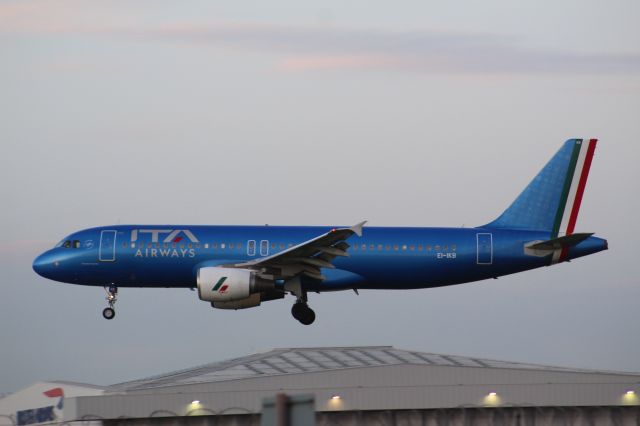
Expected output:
(216, 284)
(250, 302)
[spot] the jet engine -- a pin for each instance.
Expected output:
(231, 288)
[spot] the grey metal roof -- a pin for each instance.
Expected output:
(79, 384)
(305, 360)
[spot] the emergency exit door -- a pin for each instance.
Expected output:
(485, 248)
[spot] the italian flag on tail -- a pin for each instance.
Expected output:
(571, 197)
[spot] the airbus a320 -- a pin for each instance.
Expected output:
(238, 267)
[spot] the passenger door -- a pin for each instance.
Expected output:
(107, 250)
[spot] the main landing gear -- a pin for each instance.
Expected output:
(300, 310)
(112, 294)
(303, 313)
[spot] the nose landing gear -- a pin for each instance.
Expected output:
(112, 294)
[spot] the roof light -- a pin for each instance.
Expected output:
(492, 394)
(336, 397)
(630, 392)
(195, 402)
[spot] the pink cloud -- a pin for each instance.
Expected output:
(32, 16)
(312, 47)
(329, 62)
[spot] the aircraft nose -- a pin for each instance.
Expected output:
(44, 264)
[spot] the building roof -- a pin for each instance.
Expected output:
(305, 360)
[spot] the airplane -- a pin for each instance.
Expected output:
(238, 267)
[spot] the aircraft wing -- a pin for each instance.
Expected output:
(306, 258)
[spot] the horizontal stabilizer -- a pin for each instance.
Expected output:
(560, 242)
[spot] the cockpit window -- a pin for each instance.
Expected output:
(69, 244)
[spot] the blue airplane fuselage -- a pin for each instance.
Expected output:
(238, 267)
(382, 258)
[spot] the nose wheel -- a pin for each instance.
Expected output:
(112, 295)
(108, 313)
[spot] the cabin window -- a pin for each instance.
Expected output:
(404, 247)
(76, 244)
(264, 248)
(420, 247)
(387, 247)
(395, 247)
(379, 247)
(222, 245)
(230, 245)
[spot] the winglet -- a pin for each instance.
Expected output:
(357, 229)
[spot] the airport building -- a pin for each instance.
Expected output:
(348, 386)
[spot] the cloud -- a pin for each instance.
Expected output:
(24, 247)
(330, 48)
(304, 48)
(320, 62)
(44, 17)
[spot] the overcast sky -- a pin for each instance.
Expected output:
(312, 113)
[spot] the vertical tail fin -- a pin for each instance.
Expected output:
(552, 200)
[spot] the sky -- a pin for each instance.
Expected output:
(312, 113)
